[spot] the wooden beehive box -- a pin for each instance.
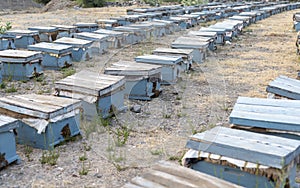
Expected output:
(171, 26)
(220, 34)
(245, 19)
(192, 43)
(100, 41)
(160, 28)
(7, 42)
(244, 158)
(24, 37)
(65, 30)
(166, 174)
(86, 27)
(171, 66)
(117, 39)
(46, 34)
(269, 115)
(107, 24)
(285, 87)
(186, 54)
(228, 31)
(183, 23)
(45, 120)
(210, 37)
(55, 56)
(20, 64)
(7, 141)
(142, 80)
(148, 29)
(139, 34)
(102, 94)
(80, 50)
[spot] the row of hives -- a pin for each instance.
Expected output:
(44, 121)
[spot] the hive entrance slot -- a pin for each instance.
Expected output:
(66, 132)
(3, 161)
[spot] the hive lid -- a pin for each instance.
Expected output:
(23, 32)
(91, 36)
(74, 42)
(37, 106)
(7, 123)
(43, 29)
(64, 27)
(174, 51)
(189, 42)
(19, 56)
(50, 47)
(248, 146)
(158, 59)
(86, 24)
(109, 32)
(106, 21)
(131, 68)
(203, 33)
(90, 83)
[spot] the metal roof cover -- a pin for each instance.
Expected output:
(257, 148)
(19, 56)
(38, 106)
(50, 47)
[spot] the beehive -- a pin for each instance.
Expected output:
(46, 34)
(171, 66)
(192, 43)
(55, 56)
(65, 30)
(100, 41)
(117, 39)
(20, 64)
(86, 27)
(8, 153)
(244, 158)
(24, 37)
(7, 42)
(45, 121)
(102, 94)
(80, 50)
(142, 80)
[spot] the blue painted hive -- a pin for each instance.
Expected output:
(100, 41)
(167, 174)
(46, 34)
(255, 16)
(24, 37)
(7, 42)
(228, 31)
(107, 24)
(160, 28)
(171, 26)
(139, 34)
(45, 120)
(212, 45)
(185, 54)
(199, 46)
(221, 33)
(80, 50)
(171, 66)
(117, 39)
(245, 19)
(183, 23)
(192, 19)
(20, 64)
(147, 28)
(8, 153)
(102, 94)
(86, 27)
(273, 116)
(142, 80)
(55, 56)
(65, 30)
(285, 87)
(244, 158)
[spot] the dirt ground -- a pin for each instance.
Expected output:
(199, 101)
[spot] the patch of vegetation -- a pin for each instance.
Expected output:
(12, 89)
(4, 27)
(28, 151)
(157, 152)
(68, 71)
(2, 85)
(83, 158)
(42, 1)
(121, 134)
(49, 157)
(84, 170)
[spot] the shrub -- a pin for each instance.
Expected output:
(42, 1)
